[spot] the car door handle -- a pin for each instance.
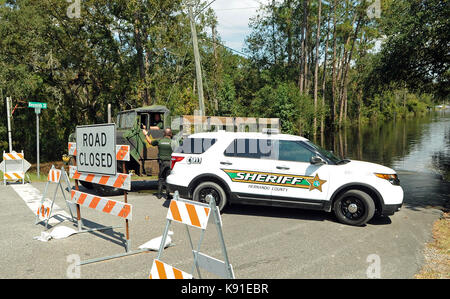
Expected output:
(283, 167)
(226, 163)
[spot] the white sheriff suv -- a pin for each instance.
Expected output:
(282, 170)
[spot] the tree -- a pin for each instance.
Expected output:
(415, 50)
(316, 70)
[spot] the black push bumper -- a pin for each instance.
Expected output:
(183, 191)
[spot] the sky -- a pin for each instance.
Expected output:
(233, 18)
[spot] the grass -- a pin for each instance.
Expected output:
(437, 253)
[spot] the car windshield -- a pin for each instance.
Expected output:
(323, 152)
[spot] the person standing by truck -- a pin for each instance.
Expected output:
(165, 148)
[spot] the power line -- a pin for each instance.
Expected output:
(207, 5)
(236, 8)
(231, 49)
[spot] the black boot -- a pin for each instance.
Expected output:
(159, 194)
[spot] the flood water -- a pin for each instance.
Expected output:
(420, 144)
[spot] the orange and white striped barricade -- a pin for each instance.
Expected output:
(45, 209)
(14, 166)
(113, 207)
(162, 270)
(109, 206)
(102, 204)
(120, 180)
(197, 215)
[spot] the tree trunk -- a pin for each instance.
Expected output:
(333, 72)
(301, 79)
(346, 67)
(305, 56)
(140, 58)
(322, 115)
(316, 71)
(274, 41)
(216, 68)
(289, 34)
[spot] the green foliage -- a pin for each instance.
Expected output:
(416, 48)
(79, 65)
(398, 103)
(132, 52)
(285, 102)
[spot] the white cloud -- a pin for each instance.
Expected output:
(233, 18)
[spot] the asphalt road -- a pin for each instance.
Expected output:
(262, 242)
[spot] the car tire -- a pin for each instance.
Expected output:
(354, 207)
(205, 188)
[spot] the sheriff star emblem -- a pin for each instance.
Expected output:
(316, 183)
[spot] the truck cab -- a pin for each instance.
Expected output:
(144, 158)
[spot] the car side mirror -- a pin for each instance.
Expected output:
(315, 160)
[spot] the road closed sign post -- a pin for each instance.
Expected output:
(96, 149)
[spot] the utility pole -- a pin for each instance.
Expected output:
(198, 68)
(109, 113)
(8, 116)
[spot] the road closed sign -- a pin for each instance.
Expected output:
(96, 149)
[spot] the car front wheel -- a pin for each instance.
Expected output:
(354, 207)
(210, 188)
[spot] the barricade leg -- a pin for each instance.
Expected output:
(51, 207)
(164, 237)
(4, 170)
(127, 253)
(41, 203)
(67, 204)
(198, 250)
(127, 229)
(23, 170)
(220, 233)
(69, 187)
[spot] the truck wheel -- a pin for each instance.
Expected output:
(206, 188)
(354, 207)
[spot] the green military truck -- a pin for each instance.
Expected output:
(143, 157)
(129, 125)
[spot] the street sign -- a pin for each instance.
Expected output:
(37, 105)
(37, 110)
(96, 149)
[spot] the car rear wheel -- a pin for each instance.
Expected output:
(354, 207)
(210, 188)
